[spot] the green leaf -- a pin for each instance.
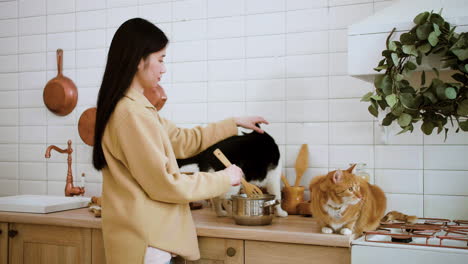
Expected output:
(419, 59)
(411, 66)
(451, 93)
(431, 97)
(436, 29)
(391, 100)
(392, 46)
(466, 67)
(421, 18)
(425, 48)
(462, 54)
(407, 39)
(427, 127)
(423, 78)
(373, 110)
(395, 58)
(410, 50)
(407, 100)
(387, 85)
(433, 39)
(376, 97)
(423, 31)
(436, 72)
(462, 109)
(367, 97)
(459, 77)
(388, 119)
(381, 67)
(464, 125)
(404, 119)
(378, 80)
(406, 129)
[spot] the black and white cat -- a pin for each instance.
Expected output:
(256, 154)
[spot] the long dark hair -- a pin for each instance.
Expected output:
(134, 40)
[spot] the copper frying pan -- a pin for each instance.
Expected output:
(60, 93)
(156, 96)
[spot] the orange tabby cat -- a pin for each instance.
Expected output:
(343, 203)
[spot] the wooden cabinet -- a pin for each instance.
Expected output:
(97, 249)
(257, 252)
(220, 251)
(3, 243)
(42, 244)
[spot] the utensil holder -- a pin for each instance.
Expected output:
(291, 198)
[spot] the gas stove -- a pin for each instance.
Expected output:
(429, 240)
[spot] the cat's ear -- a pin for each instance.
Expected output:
(350, 169)
(337, 176)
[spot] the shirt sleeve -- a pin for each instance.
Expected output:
(187, 142)
(143, 152)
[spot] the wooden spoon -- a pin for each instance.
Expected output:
(302, 162)
(250, 189)
(285, 181)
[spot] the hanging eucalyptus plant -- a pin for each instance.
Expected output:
(435, 102)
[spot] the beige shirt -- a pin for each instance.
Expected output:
(145, 197)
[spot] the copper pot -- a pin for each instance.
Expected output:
(157, 96)
(60, 93)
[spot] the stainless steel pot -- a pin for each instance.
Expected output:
(253, 211)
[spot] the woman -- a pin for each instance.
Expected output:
(145, 200)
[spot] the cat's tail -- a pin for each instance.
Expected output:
(397, 216)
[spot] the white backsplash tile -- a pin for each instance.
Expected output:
(32, 152)
(32, 25)
(189, 10)
(315, 20)
(338, 41)
(189, 51)
(119, 3)
(91, 39)
(56, 188)
(60, 23)
(225, 8)
(61, 134)
(192, 92)
(451, 207)
(190, 113)
(91, 174)
(9, 99)
(32, 62)
(343, 16)
(399, 157)
(446, 157)
(226, 70)
(82, 5)
(349, 110)
(156, 13)
(271, 111)
(299, 43)
(410, 204)
(57, 171)
(117, 16)
(265, 24)
(34, 43)
(9, 9)
(32, 134)
(304, 4)
(265, 46)
(318, 156)
(342, 156)
(388, 135)
(32, 187)
(91, 58)
(400, 181)
(460, 138)
(33, 171)
(88, 77)
(265, 68)
(60, 6)
(220, 111)
(309, 133)
(84, 154)
(232, 48)
(189, 30)
(307, 111)
(309, 174)
(228, 27)
(9, 117)
(445, 182)
(307, 65)
(226, 91)
(90, 20)
(9, 171)
(65, 41)
(32, 116)
(8, 63)
(31, 98)
(338, 63)
(265, 90)
(8, 28)
(264, 6)
(29, 8)
(276, 131)
(307, 88)
(344, 133)
(189, 72)
(8, 81)
(9, 45)
(8, 187)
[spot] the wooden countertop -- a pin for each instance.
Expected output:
(292, 229)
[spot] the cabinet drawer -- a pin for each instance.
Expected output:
(3, 243)
(278, 253)
(220, 251)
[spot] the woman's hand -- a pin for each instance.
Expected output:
(235, 173)
(250, 121)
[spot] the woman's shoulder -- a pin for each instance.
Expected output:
(127, 108)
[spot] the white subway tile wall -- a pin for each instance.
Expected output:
(283, 59)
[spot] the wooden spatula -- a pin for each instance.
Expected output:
(250, 189)
(302, 162)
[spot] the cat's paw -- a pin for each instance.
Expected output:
(280, 212)
(346, 231)
(327, 230)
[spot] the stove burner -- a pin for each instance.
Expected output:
(402, 239)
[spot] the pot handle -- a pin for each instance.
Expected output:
(270, 203)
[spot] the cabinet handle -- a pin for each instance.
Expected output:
(1, 231)
(12, 233)
(231, 252)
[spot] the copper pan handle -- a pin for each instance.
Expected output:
(59, 61)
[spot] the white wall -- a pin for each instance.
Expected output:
(285, 60)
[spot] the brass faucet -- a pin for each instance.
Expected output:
(70, 190)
